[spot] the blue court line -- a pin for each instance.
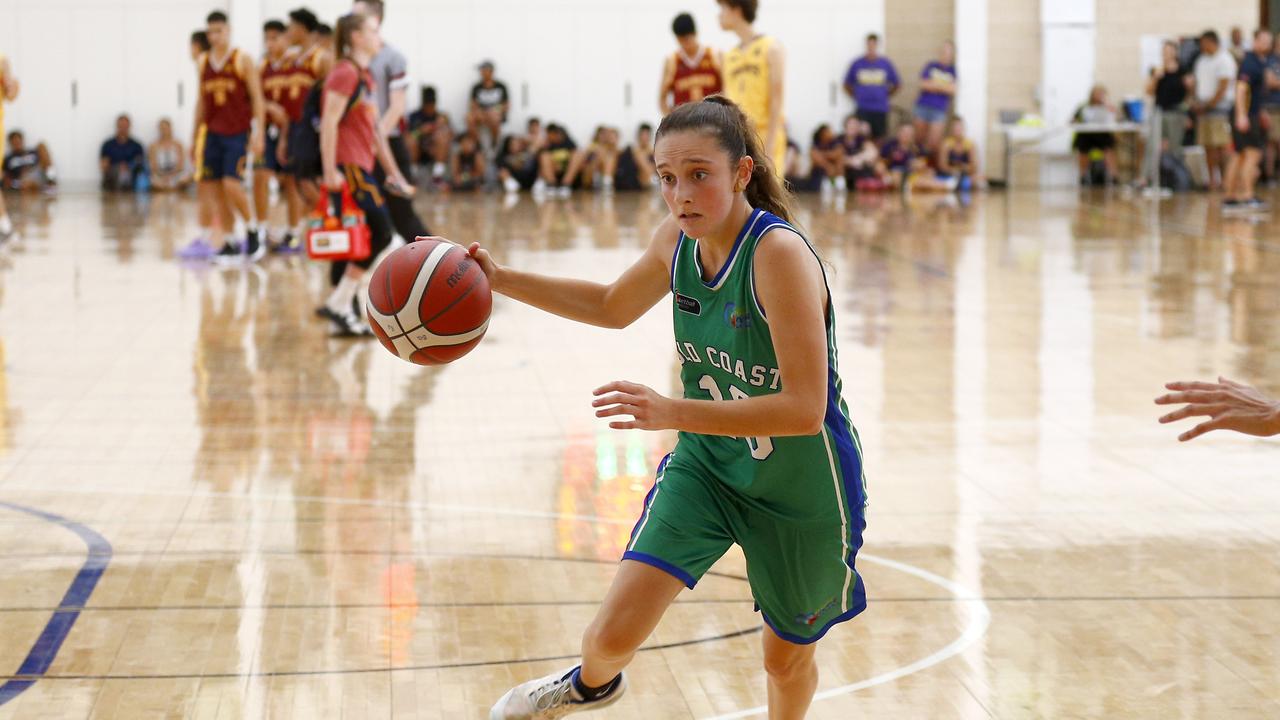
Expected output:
(46, 647)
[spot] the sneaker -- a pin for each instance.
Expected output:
(1233, 206)
(324, 311)
(564, 191)
(229, 254)
(348, 325)
(254, 249)
(606, 184)
(511, 185)
(551, 697)
(198, 249)
(540, 187)
(840, 184)
(1255, 205)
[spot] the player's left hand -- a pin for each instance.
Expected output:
(1229, 405)
(649, 410)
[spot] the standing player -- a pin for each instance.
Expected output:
(207, 205)
(1248, 134)
(8, 93)
(350, 146)
(692, 72)
(753, 74)
(311, 63)
(231, 105)
(390, 72)
(283, 103)
(777, 470)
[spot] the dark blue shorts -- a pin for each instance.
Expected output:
(269, 160)
(224, 156)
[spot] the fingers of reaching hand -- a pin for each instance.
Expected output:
(617, 386)
(1192, 385)
(620, 409)
(1193, 396)
(1192, 411)
(1202, 428)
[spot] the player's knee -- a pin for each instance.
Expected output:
(787, 667)
(608, 640)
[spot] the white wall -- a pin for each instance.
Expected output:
(580, 62)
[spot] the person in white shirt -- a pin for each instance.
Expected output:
(1215, 94)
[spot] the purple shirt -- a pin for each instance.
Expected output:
(871, 81)
(937, 72)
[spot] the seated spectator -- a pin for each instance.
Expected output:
(826, 161)
(517, 164)
(792, 169)
(168, 161)
(467, 165)
(560, 163)
(937, 88)
(602, 157)
(535, 136)
(908, 167)
(489, 105)
(1089, 145)
(861, 156)
(121, 158)
(29, 169)
(958, 158)
(635, 165)
(427, 146)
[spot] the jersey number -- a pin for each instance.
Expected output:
(761, 447)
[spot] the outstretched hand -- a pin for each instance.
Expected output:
(1229, 406)
(648, 409)
(486, 261)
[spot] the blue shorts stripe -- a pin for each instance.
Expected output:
(663, 565)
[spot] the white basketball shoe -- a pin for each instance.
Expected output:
(550, 697)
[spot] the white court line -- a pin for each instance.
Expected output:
(979, 613)
(979, 620)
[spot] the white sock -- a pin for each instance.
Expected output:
(340, 299)
(6, 225)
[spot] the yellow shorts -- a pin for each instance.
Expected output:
(776, 148)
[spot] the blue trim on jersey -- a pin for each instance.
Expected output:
(733, 253)
(675, 258)
(846, 452)
(861, 605)
(663, 565)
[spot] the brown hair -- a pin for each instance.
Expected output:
(348, 24)
(719, 117)
(748, 8)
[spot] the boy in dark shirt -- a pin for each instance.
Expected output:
(1247, 131)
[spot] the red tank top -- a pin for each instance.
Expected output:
(227, 110)
(696, 77)
(284, 86)
(307, 65)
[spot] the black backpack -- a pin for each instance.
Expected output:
(304, 139)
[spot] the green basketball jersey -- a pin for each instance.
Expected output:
(727, 351)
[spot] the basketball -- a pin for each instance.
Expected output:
(429, 302)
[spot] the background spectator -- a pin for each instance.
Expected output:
(826, 161)
(958, 157)
(28, 168)
(1214, 77)
(1097, 111)
(467, 165)
(1238, 48)
(1247, 134)
(937, 88)
(489, 105)
(424, 123)
(517, 164)
(535, 135)
(560, 163)
(120, 158)
(635, 163)
(168, 161)
(1169, 85)
(861, 156)
(1271, 106)
(871, 81)
(602, 157)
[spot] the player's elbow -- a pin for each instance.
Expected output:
(808, 416)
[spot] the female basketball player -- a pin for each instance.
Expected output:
(349, 144)
(777, 469)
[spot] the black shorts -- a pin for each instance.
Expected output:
(1087, 142)
(879, 122)
(1255, 137)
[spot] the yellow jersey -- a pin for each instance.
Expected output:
(4, 91)
(746, 82)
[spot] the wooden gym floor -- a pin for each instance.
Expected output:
(210, 509)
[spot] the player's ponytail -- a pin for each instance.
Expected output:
(347, 25)
(721, 117)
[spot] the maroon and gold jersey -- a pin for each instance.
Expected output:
(695, 77)
(225, 93)
(283, 85)
(307, 65)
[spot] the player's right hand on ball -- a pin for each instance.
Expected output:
(483, 257)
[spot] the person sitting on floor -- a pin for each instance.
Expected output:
(1090, 145)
